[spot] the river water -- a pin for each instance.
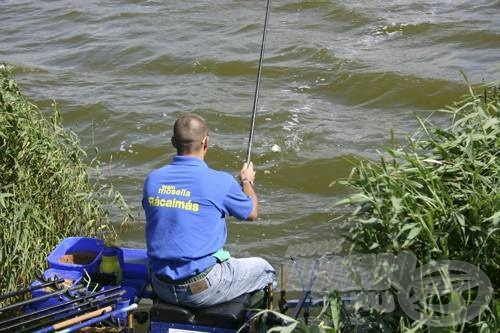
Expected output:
(338, 76)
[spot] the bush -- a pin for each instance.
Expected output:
(45, 190)
(438, 197)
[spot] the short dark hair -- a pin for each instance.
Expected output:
(189, 132)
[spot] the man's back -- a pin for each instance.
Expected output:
(186, 203)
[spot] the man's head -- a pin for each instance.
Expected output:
(190, 135)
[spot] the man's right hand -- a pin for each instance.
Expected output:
(247, 176)
(247, 173)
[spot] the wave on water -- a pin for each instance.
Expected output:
(337, 77)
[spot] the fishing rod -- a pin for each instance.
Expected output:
(73, 289)
(76, 311)
(22, 291)
(60, 311)
(98, 319)
(306, 294)
(257, 84)
(76, 320)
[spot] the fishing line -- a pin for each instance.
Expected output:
(257, 84)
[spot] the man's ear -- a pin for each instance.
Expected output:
(205, 142)
(174, 143)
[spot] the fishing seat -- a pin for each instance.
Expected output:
(230, 315)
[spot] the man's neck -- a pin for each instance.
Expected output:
(200, 155)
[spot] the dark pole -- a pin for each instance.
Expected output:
(257, 85)
(98, 298)
(32, 288)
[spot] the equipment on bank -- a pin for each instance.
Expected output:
(91, 286)
(82, 289)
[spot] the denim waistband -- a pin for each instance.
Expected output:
(189, 280)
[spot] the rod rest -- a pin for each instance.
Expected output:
(230, 314)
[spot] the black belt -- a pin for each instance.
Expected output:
(190, 280)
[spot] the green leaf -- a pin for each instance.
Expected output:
(495, 218)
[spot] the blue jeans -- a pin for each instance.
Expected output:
(226, 281)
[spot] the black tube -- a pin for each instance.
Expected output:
(41, 298)
(300, 304)
(257, 85)
(306, 294)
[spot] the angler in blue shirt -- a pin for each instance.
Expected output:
(186, 203)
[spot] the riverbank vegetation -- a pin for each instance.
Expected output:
(430, 210)
(46, 193)
(437, 196)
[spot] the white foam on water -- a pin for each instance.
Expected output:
(293, 140)
(275, 148)
(122, 146)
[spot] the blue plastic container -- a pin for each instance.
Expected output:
(87, 251)
(135, 264)
(72, 277)
(121, 318)
(134, 288)
(130, 294)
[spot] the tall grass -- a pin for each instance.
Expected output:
(438, 196)
(45, 190)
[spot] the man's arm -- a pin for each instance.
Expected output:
(247, 176)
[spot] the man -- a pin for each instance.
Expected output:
(186, 203)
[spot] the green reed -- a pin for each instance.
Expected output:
(46, 193)
(437, 197)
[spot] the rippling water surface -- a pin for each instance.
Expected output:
(338, 76)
